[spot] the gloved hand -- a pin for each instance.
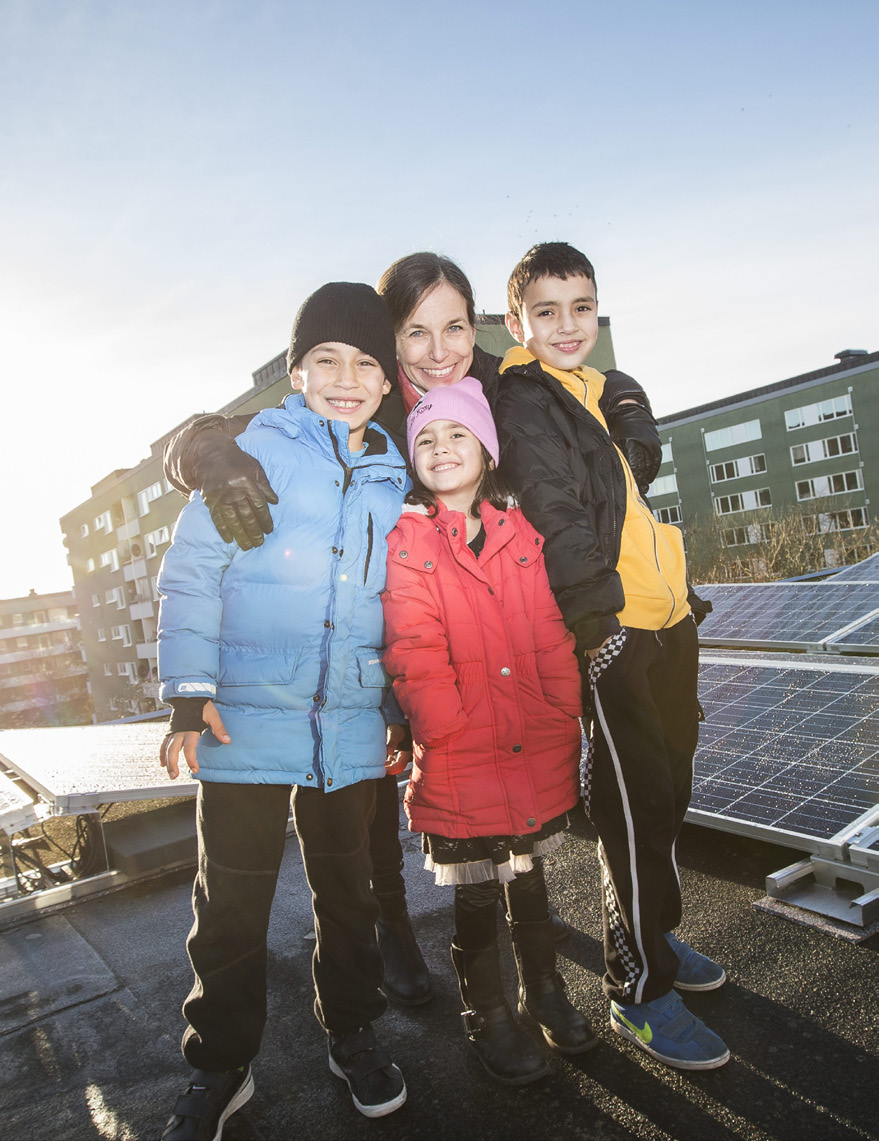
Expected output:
(234, 487)
(634, 430)
(644, 465)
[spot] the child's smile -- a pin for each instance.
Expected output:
(342, 383)
(450, 463)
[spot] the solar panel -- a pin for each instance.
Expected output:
(866, 571)
(789, 747)
(16, 807)
(76, 768)
(794, 615)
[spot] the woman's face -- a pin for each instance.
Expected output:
(435, 344)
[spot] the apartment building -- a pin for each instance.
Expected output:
(43, 675)
(810, 443)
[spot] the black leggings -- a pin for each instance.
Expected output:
(476, 906)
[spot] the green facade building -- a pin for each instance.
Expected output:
(810, 443)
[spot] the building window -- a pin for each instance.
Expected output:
(826, 449)
(121, 634)
(84, 531)
(96, 600)
(22, 643)
(734, 434)
(745, 536)
(851, 520)
(17, 619)
(108, 669)
(145, 497)
(664, 485)
(90, 565)
(668, 514)
(155, 539)
(737, 469)
(818, 413)
(110, 559)
(102, 634)
(666, 453)
(742, 501)
(824, 485)
(103, 522)
(115, 597)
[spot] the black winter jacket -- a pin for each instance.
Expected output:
(562, 466)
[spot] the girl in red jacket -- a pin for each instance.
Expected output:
(484, 668)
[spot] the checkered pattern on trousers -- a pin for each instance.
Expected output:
(617, 931)
(611, 649)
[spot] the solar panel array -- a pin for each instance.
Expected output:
(790, 745)
(79, 767)
(792, 615)
(866, 571)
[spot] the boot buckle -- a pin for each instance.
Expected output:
(474, 1023)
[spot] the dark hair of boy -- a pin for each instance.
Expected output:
(546, 259)
(405, 282)
(492, 487)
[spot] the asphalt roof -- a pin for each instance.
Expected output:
(90, 1021)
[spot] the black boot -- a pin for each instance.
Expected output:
(406, 977)
(560, 929)
(488, 1021)
(542, 1000)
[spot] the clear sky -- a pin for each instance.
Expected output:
(177, 176)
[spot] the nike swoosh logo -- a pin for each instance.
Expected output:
(645, 1035)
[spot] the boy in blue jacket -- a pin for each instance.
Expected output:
(271, 661)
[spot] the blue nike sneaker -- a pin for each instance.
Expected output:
(696, 972)
(670, 1033)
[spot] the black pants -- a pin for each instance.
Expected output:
(476, 907)
(644, 736)
(385, 850)
(241, 835)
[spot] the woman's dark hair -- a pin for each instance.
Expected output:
(407, 280)
(492, 487)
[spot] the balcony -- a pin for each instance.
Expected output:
(137, 568)
(149, 650)
(128, 530)
(35, 654)
(142, 609)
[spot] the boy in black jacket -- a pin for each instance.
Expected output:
(620, 580)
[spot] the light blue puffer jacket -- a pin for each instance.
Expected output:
(287, 638)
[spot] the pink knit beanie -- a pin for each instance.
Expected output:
(465, 404)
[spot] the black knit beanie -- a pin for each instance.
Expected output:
(351, 313)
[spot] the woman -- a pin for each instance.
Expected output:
(431, 304)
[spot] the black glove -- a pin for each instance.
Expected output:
(234, 487)
(634, 430)
(186, 715)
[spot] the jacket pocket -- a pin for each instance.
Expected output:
(241, 668)
(371, 671)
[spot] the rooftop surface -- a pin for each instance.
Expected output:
(90, 1021)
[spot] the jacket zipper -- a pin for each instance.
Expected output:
(368, 548)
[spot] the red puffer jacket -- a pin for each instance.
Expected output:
(485, 670)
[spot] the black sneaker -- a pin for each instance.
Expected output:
(211, 1098)
(376, 1084)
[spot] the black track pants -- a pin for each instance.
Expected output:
(645, 728)
(241, 833)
